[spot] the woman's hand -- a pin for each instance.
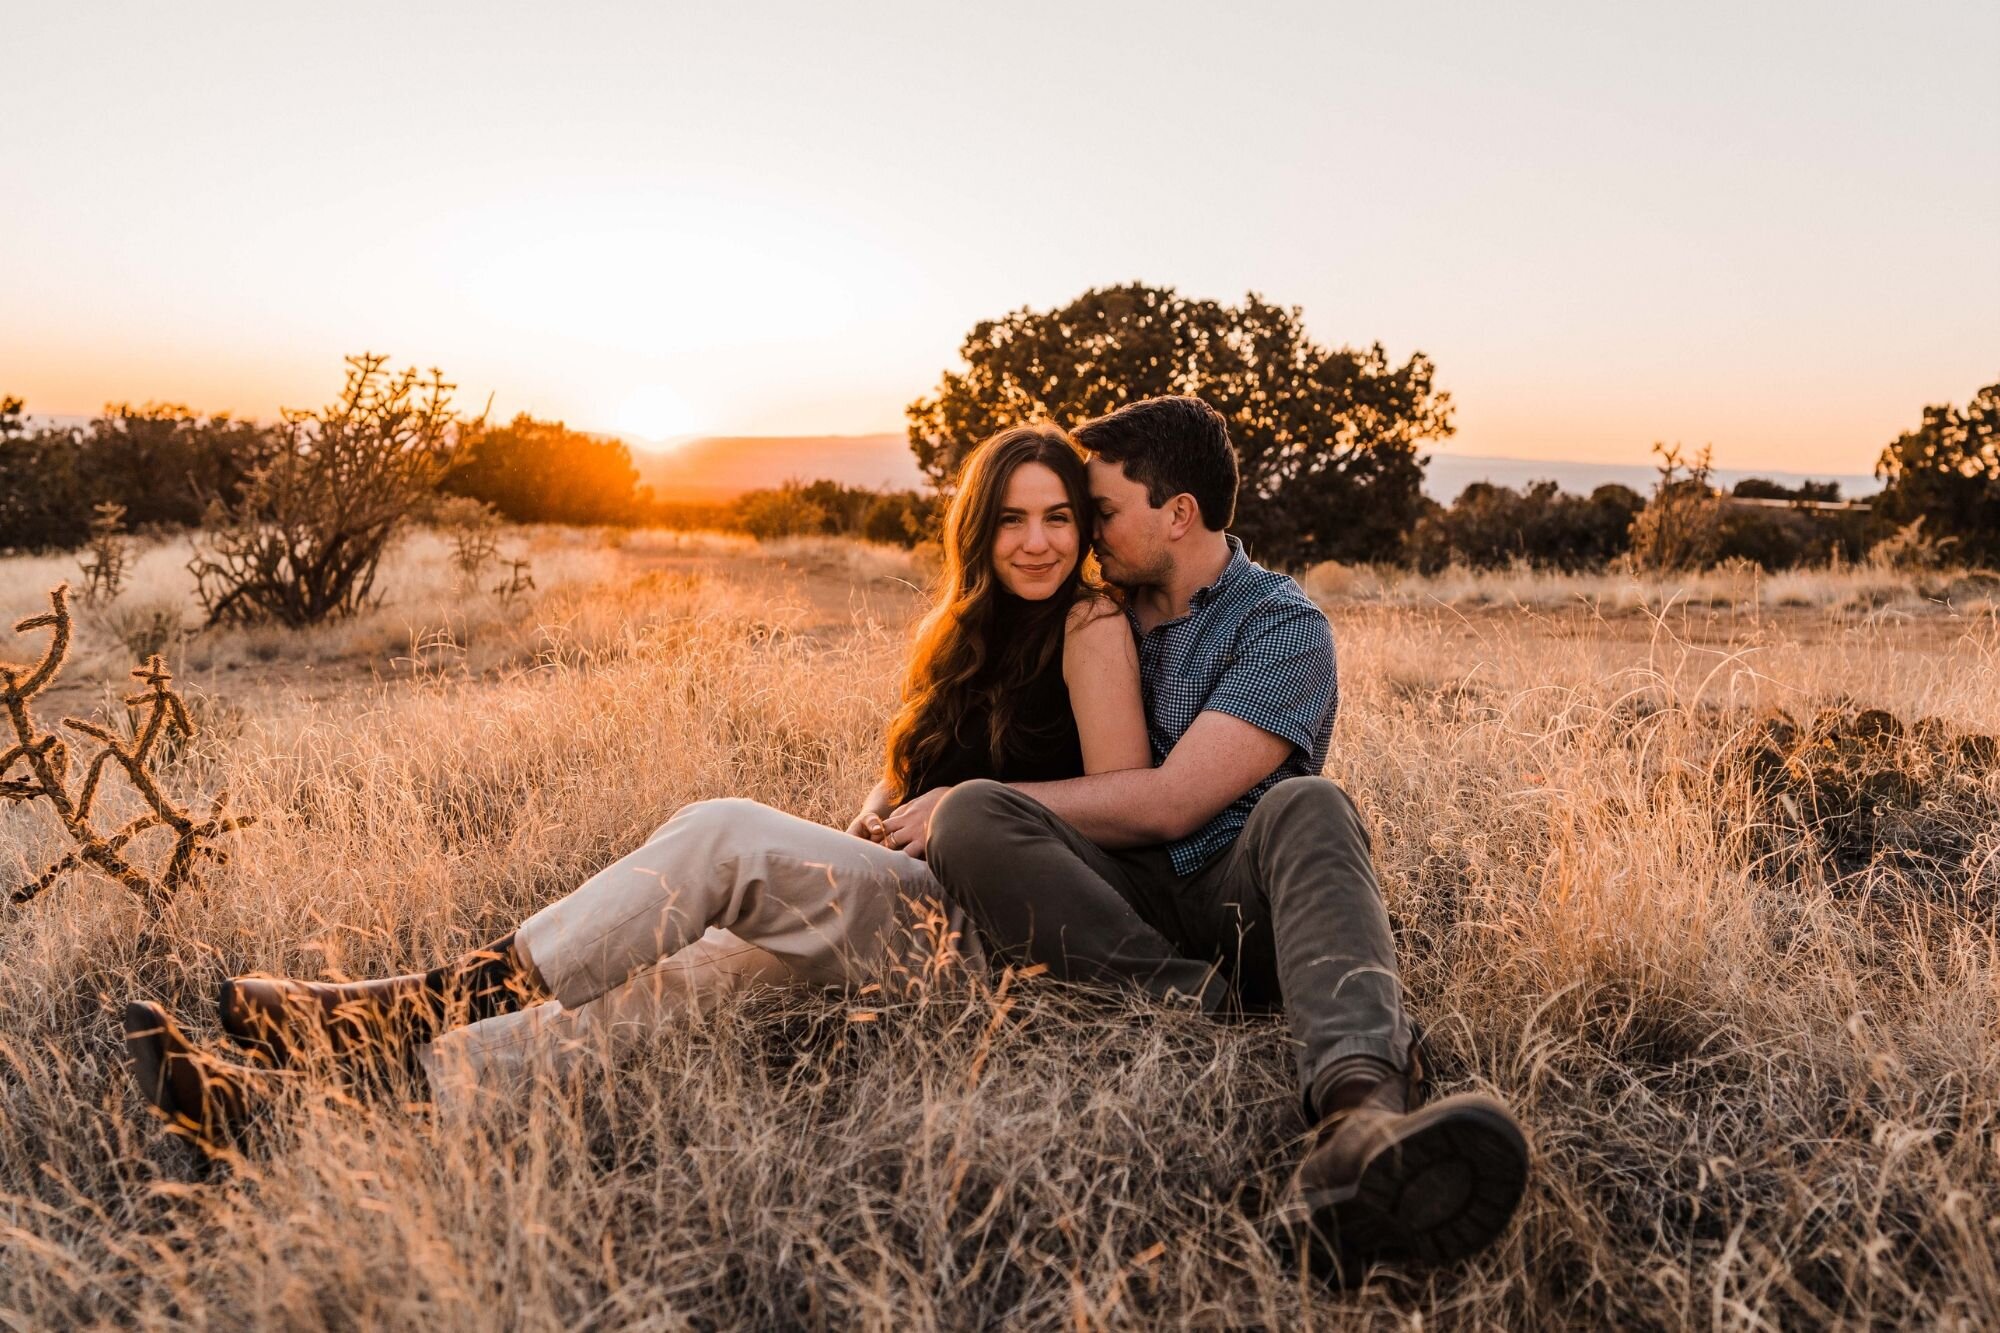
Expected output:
(869, 825)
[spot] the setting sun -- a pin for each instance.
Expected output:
(655, 414)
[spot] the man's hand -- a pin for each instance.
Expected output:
(909, 824)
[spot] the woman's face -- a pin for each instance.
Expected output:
(1036, 545)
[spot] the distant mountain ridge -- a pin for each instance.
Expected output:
(721, 467)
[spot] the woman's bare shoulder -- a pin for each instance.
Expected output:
(1095, 617)
(1093, 608)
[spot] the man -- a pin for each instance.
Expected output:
(1231, 872)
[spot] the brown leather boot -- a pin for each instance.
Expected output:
(1385, 1180)
(203, 1097)
(360, 1021)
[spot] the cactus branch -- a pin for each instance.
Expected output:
(45, 757)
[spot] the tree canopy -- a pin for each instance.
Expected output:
(1946, 472)
(536, 471)
(1326, 439)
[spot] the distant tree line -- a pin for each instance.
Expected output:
(1328, 441)
(172, 468)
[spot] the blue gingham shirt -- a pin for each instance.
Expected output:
(1254, 646)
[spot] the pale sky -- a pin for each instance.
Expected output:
(1770, 227)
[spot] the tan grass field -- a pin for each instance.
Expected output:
(1751, 1028)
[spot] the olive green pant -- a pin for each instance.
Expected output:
(1289, 916)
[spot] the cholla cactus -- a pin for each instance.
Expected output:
(518, 580)
(43, 762)
(104, 566)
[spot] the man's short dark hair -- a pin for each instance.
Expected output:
(1170, 445)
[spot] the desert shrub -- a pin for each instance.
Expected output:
(901, 518)
(1491, 527)
(1909, 548)
(108, 551)
(1785, 538)
(44, 497)
(144, 628)
(160, 462)
(1947, 472)
(165, 464)
(1763, 488)
(784, 512)
(303, 543)
(473, 529)
(1681, 525)
(828, 508)
(535, 471)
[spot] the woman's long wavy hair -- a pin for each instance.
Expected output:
(958, 666)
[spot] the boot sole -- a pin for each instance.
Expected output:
(1445, 1187)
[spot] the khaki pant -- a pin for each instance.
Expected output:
(725, 894)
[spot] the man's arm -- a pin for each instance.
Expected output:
(1219, 759)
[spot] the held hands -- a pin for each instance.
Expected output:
(907, 828)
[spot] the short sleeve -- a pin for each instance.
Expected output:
(1282, 676)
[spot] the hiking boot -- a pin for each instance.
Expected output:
(358, 1021)
(1387, 1181)
(203, 1098)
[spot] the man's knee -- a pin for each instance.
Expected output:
(964, 823)
(1314, 802)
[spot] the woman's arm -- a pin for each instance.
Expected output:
(1101, 668)
(868, 824)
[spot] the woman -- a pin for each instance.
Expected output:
(1024, 670)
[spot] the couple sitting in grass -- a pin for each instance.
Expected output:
(1124, 786)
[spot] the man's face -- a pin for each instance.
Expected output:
(1131, 538)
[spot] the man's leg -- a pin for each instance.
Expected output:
(1042, 892)
(1385, 1177)
(1295, 907)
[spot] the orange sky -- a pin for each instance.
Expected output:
(1764, 228)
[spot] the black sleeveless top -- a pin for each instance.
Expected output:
(1041, 744)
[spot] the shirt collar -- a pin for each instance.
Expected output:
(1236, 563)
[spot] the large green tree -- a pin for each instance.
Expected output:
(1947, 472)
(1327, 439)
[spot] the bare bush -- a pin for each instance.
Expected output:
(1910, 549)
(303, 542)
(1681, 527)
(473, 528)
(45, 759)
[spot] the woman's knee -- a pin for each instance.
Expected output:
(720, 817)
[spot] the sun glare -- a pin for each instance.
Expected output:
(654, 413)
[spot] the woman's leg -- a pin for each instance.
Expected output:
(822, 901)
(499, 1052)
